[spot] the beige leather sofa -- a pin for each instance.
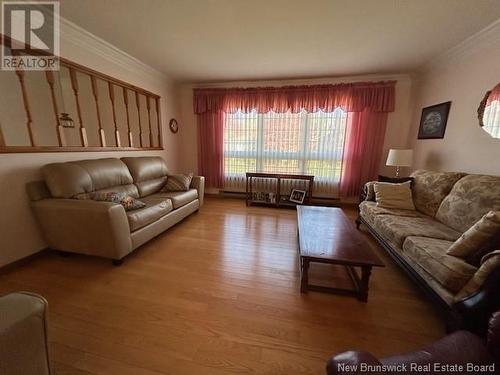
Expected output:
(105, 229)
(23, 335)
(447, 204)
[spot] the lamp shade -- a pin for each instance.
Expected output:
(399, 158)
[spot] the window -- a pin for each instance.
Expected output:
(293, 143)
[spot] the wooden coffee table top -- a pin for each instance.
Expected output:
(326, 235)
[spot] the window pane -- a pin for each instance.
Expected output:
(239, 166)
(281, 166)
(288, 143)
(282, 132)
(324, 169)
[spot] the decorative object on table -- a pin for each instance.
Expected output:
(488, 112)
(399, 158)
(173, 125)
(264, 197)
(66, 120)
(433, 121)
(297, 196)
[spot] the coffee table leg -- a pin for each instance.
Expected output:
(304, 280)
(363, 287)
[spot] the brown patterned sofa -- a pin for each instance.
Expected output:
(447, 204)
(106, 229)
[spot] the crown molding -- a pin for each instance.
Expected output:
(78, 36)
(481, 40)
(403, 77)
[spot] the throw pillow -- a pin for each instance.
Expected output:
(178, 182)
(128, 202)
(476, 236)
(390, 195)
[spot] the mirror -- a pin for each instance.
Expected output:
(489, 112)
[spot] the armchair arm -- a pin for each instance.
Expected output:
(23, 334)
(494, 336)
(350, 363)
(198, 183)
(84, 226)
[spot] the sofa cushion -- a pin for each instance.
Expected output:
(65, 180)
(394, 195)
(106, 173)
(369, 210)
(477, 236)
(179, 198)
(430, 254)
(430, 188)
(149, 173)
(471, 198)
(156, 207)
(395, 229)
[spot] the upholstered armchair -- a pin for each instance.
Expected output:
(23, 335)
(460, 348)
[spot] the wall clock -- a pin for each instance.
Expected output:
(174, 126)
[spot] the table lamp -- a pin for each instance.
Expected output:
(399, 158)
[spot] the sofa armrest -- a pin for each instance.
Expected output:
(84, 226)
(198, 183)
(350, 363)
(489, 266)
(23, 334)
(367, 193)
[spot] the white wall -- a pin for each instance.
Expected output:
(398, 124)
(19, 233)
(462, 76)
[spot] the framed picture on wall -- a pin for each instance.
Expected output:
(433, 121)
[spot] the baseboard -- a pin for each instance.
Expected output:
(20, 262)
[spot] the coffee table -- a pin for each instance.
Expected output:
(326, 235)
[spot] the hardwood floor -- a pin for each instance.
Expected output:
(216, 294)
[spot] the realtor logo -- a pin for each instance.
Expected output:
(30, 35)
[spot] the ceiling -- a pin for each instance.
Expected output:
(221, 40)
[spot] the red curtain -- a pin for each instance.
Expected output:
(211, 148)
(367, 103)
(363, 150)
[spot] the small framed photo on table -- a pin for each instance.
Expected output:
(297, 196)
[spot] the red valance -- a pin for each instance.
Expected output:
(351, 97)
